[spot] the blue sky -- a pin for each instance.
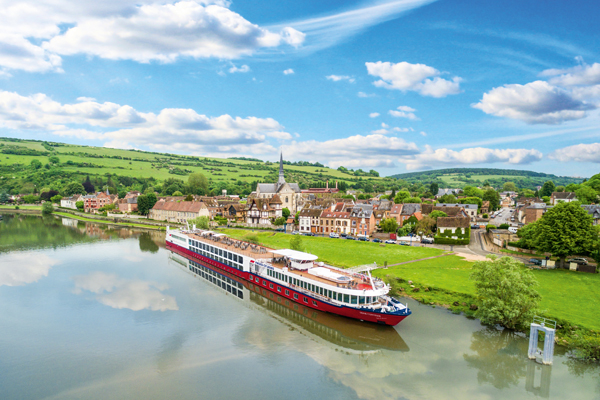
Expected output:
(401, 85)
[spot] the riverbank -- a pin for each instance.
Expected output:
(568, 297)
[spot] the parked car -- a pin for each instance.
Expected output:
(350, 238)
(404, 244)
(535, 261)
(512, 229)
(578, 260)
(334, 235)
(295, 233)
(377, 240)
(308, 234)
(363, 238)
(390, 241)
(343, 235)
(427, 241)
(474, 226)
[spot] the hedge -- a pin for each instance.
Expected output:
(443, 240)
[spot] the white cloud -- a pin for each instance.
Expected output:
(288, 71)
(83, 98)
(123, 126)
(576, 76)
(133, 294)
(396, 129)
(365, 95)
(355, 150)
(243, 69)
(21, 268)
(420, 78)
(478, 155)
(579, 153)
(381, 131)
(374, 115)
(422, 133)
(337, 78)
(33, 35)
(405, 112)
(384, 125)
(535, 103)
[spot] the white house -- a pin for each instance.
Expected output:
(70, 202)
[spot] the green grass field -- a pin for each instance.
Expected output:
(101, 221)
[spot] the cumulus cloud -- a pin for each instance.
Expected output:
(365, 95)
(478, 155)
(419, 78)
(576, 76)
(133, 294)
(367, 151)
(579, 153)
(337, 78)
(243, 69)
(288, 71)
(535, 103)
(181, 129)
(374, 115)
(21, 268)
(33, 35)
(404, 112)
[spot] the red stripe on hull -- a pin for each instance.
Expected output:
(387, 319)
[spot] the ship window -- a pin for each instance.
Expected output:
(264, 283)
(361, 299)
(346, 298)
(271, 285)
(287, 292)
(314, 303)
(305, 300)
(279, 289)
(257, 280)
(353, 299)
(296, 296)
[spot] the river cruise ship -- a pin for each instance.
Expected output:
(294, 275)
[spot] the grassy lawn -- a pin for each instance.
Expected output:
(20, 207)
(572, 296)
(100, 221)
(340, 252)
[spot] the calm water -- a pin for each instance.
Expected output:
(90, 312)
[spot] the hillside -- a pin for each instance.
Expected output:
(75, 162)
(460, 177)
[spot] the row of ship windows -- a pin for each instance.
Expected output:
(216, 253)
(332, 294)
(221, 281)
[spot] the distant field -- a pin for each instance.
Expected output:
(454, 179)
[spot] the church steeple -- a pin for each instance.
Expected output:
(281, 180)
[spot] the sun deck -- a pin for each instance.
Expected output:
(278, 261)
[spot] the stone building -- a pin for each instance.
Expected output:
(289, 193)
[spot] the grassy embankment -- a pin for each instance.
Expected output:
(101, 221)
(570, 297)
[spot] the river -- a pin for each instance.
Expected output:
(96, 312)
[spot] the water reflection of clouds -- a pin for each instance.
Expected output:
(134, 294)
(18, 269)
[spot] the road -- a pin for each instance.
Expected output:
(503, 217)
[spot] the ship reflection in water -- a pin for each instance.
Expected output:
(346, 333)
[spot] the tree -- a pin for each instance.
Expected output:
(559, 189)
(448, 198)
(471, 191)
(36, 164)
(285, 212)
(151, 200)
(401, 196)
(503, 226)
(189, 197)
(296, 243)
(586, 194)
(436, 214)
(392, 195)
(147, 244)
(3, 197)
(122, 194)
(198, 183)
(509, 187)
(73, 188)
(53, 159)
(48, 195)
(279, 221)
(572, 187)
(493, 197)
(47, 208)
(200, 222)
(505, 292)
(527, 236)
(389, 225)
(425, 226)
(88, 186)
(79, 205)
(56, 199)
(472, 200)
(547, 189)
(434, 188)
(177, 193)
(413, 200)
(528, 193)
(143, 204)
(30, 199)
(565, 229)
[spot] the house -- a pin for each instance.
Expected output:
(396, 212)
(289, 193)
(452, 227)
(566, 197)
(309, 220)
(451, 209)
(408, 210)
(261, 211)
(362, 221)
(92, 202)
(534, 212)
(454, 192)
(178, 211)
(235, 212)
(129, 202)
(510, 194)
(70, 202)
(485, 207)
(322, 191)
(594, 211)
(506, 202)
(335, 221)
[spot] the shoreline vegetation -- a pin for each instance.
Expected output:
(568, 297)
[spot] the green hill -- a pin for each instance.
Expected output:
(460, 177)
(133, 167)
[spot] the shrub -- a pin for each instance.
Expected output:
(488, 227)
(444, 240)
(47, 208)
(485, 215)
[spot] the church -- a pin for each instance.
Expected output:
(289, 193)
